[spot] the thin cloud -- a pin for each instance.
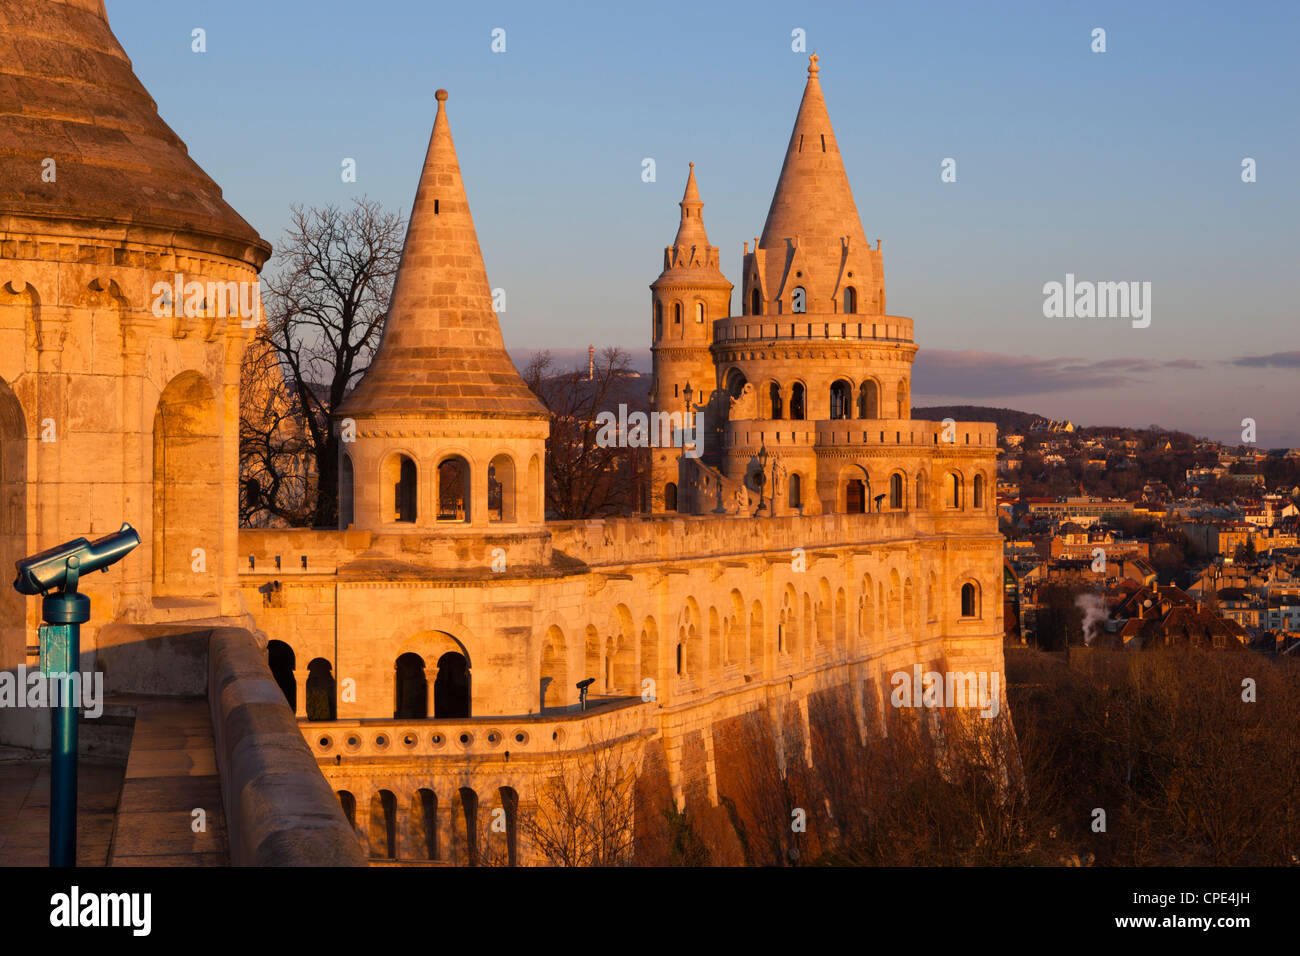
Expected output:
(1272, 360)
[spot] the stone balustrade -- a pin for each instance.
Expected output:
(758, 329)
(553, 731)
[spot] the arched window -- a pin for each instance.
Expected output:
(868, 400)
(501, 489)
(383, 825)
(797, 411)
(799, 300)
(659, 320)
(736, 382)
(977, 492)
(841, 399)
(850, 300)
(796, 493)
(755, 302)
(412, 692)
(954, 490)
(451, 697)
(401, 476)
(424, 810)
(774, 401)
(453, 490)
(896, 491)
(902, 400)
(320, 690)
(280, 659)
(699, 311)
(670, 496)
(677, 313)
(969, 601)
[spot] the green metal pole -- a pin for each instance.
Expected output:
(60, 654)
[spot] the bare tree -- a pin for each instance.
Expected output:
(584, 478)
(277, 482)
(584, 815)
(325, 309)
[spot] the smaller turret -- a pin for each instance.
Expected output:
(689, 295)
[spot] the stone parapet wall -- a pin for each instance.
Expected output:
(279, 809)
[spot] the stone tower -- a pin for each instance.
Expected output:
(119, 399)
(813, 357)
(690, 293)
(441, 432)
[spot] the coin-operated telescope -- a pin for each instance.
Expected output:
(59, 570)
(61, 567)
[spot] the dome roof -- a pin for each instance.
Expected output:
(68, 93)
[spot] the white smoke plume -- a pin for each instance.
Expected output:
(1094, 613)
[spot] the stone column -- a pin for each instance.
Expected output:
(137, 454)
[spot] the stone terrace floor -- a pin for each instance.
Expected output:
(137, 815)
(25, 810)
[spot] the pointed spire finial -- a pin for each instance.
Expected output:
(813, 68)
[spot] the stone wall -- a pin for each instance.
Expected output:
(279, 809)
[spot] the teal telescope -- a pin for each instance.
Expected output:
(64, 611)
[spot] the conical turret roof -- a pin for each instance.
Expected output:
(442, 355)
(813, 200)
(691, 231)
(68, 93)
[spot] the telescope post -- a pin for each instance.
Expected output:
(63, 613)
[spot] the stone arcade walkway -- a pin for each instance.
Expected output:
(172, 771)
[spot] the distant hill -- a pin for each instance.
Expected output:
(1007, 419)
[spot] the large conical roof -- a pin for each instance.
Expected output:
(68, 93)
(442, 355)
(812, 199)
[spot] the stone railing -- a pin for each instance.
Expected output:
(480, 737)
(754, 329)
(280, 811)
(898, 432)
(685, 537)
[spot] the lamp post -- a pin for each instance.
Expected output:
(59, 570)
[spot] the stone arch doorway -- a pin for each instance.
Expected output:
(280, 658)
(855, 497)
(187, 489)
(451, 688)
(412, 687)
(852, 491)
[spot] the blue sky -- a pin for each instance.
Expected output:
(1123, 165)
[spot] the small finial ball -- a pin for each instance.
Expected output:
(440, 96)
(813, 68)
